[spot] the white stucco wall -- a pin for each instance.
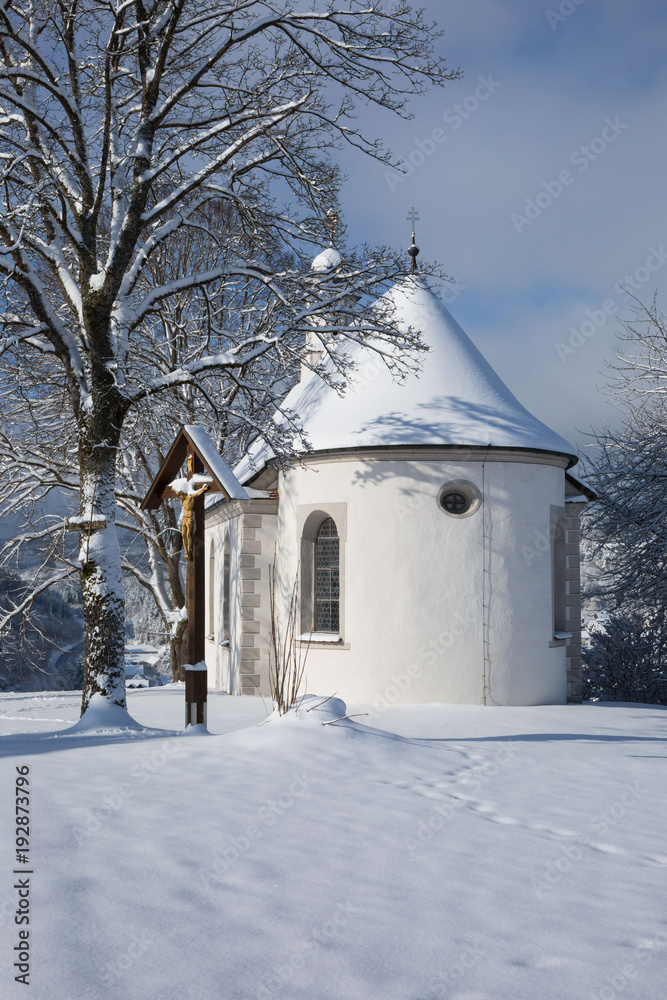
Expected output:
(223, 662)
(432, 603)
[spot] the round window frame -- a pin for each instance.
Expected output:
(468, 490)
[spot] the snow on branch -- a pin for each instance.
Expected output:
(165, 180)
(36, 590)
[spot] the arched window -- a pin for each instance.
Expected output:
(327, 578)
(323, 533)
(225, 591)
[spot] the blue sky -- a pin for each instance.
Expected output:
(564, 112)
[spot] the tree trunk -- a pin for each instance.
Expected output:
(178, 651)
(99, 555)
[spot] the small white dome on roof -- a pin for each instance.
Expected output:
(327, 260)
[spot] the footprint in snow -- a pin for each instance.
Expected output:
(606, 848)
(550, 962)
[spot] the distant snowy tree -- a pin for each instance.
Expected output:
(121, 126)
(625, 529)
(44, 651)
(627, 660)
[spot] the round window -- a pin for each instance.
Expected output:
(459, 498)
(455, 503)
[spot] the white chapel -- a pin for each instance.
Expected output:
(431, 533)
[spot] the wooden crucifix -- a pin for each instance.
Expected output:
(196, 678)
(211, 474)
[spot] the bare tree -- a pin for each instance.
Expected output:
(39, 443)
(626, 528)
(121, 123)
(627, 660)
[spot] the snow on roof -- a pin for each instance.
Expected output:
(455, 399)
(140, 647)
(138, 681)
(137, 654)
(215, 462)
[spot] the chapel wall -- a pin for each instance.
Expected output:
(435, 608)
(223, 654)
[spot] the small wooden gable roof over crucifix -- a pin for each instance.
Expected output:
(193, 440)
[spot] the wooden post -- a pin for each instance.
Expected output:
(195, 695)
(196, 680)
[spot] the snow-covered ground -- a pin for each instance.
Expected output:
(416, 853)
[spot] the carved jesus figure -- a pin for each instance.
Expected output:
(188, 522)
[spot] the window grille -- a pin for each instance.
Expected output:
(327, 578)
(225, 591)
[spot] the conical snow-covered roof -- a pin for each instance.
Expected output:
(455, 399)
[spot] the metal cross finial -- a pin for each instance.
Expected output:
(414, 249)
